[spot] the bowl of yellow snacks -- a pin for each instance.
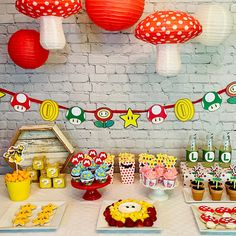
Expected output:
(18, 185)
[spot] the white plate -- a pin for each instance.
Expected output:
(219, 229)
(55, 220)
(102, 224)
(206, 197)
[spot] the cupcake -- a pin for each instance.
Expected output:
(100, 175)
(169, 179)
(159, 172)
(151, 178)
(93, 167)
(105, 167)
(75, 173)
(87, 177)
(143, 171)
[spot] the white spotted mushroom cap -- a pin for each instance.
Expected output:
(156, 114)
(20, 102)
(168, 27)
(38, 8)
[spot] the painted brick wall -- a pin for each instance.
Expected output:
(99, 68)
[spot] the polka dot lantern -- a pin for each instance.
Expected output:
(167, 29)
(25, 50)
(114, 15)
(75, 115)
(50, 13)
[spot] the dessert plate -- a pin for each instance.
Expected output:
(206, 198)
(219, 228)
(102, 224)
(54, 223)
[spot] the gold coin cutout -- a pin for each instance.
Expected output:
(184, 110)
(49, 110)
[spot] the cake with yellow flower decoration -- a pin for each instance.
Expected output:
(130, 213)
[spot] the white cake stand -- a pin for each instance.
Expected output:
(158, 193)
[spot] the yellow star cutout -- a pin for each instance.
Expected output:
(130, 118)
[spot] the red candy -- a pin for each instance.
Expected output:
(227, 220)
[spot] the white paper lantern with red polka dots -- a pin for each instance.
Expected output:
(50, 13)
(168, 29)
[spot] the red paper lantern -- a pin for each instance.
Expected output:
(25, 50)
(114, 15)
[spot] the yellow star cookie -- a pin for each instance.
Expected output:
(40, 221)
(49, 207)
(45, 215)
(28, 207)
(23, 214)
(20, 221)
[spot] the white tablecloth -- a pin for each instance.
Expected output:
(81, 216)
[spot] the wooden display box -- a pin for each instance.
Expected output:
(43, 140)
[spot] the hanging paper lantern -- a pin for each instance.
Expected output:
(20, 102)
(168, 29)
(25, 50)
(103, 116)
(156, 114)
(211, 101)
(75, 115)
(217, 24)
(50, 13)
(114, 15)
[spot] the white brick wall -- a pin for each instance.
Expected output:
(99, 68)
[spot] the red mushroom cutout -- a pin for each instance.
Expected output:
(92, 153)
(87, 162)
(51, 13)
(20, 102)
(98, 160)
(167, 29)
(102, 155)
(77, 158)
(156, 114)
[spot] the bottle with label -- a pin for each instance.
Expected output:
(225, 152)
(192, 150)
(208, 151)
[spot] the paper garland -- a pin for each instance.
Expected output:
(184, 109)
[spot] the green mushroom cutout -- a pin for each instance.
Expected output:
(75, 115)
(211, 101)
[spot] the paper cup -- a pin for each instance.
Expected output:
(18, 191)
(111, 171)
(169, 183)
(127, 172)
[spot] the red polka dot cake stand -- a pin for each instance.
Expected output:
(158, 192)
(91, 193)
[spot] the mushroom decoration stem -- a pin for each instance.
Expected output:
(167, 29)
(51, 13)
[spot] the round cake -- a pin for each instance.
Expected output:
(130, 213)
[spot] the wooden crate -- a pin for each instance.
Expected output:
(43, 140)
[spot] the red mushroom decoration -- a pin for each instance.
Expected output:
(156, 114)
(20, 102)
(102, 155)
(87, 162)
(25, 50)
(92, 153)
(167, 29)
(114, 15)
(51, 13)
(98, 160)
(77, 158)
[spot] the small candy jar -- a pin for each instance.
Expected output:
(45, 182)
(18, 185)
(52, 170)
(39, 163)
(59, 182)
